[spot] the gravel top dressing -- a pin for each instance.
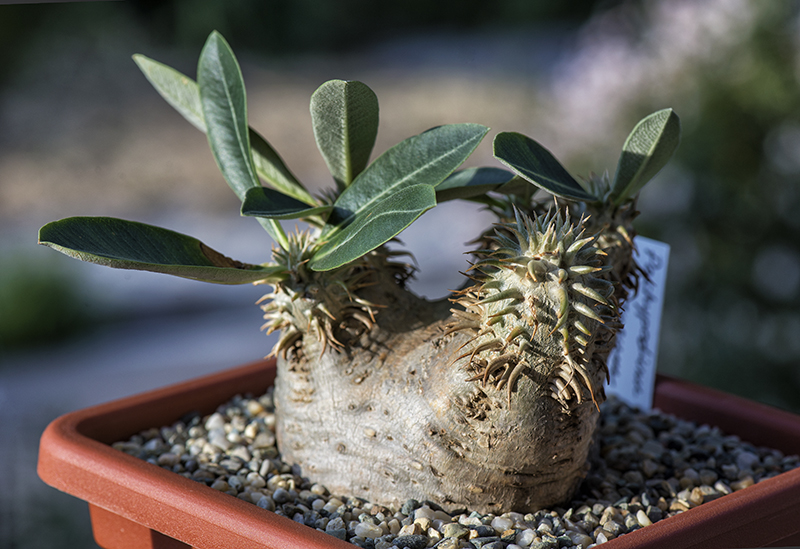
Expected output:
(646, 467)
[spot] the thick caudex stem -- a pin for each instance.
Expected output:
(490, 405)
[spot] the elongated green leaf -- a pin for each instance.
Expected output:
(222, 97)
(425, 159)
(345, 119)
(271, 167)
(177, 89)
(385, 220)
(264, 202)
(517, 185)
(533, 162)
(648, 149)
(472, 182)
(130, 245)
(183, 94)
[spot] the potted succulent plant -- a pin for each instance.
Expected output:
(487, 400)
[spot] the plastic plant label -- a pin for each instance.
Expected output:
(632, 363)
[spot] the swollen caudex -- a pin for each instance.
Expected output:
(538, 304)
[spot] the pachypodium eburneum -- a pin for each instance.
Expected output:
(487, 400)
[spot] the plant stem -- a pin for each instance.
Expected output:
(273, 227)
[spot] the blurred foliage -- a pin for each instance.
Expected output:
(267, 27)
(734, 312)
(733, 305)
(316, 25)
(39, 303)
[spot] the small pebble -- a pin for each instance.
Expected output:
(410, 530)
(525, 537)
(747, 460)
(169, 459)
(501, 524)
(455, 530)
(424, 523)
(367, 530)
(280, 495)
(448, 543)
(424, 512)
(416, 541)
(214, 421)
(220, 485)
(743, 483)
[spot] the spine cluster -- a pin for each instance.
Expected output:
(539, 302)
(327, 305)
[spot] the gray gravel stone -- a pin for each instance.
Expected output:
(448, 543)
(455, 530)
(418, 541)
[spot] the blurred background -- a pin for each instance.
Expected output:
(83, 133)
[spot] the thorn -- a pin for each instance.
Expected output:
(587, 312)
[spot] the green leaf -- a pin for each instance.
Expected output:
(424, 159)
(344, 115)
(222, 98)
(271, 167)
(385, 220)
(530, 160)
(130, 245)
(518, 186)
(264, 202)
(648, 149)
(472, 182)
(183, 94)
(176, 88)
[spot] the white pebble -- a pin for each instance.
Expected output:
(434, 535)
(217, 438)
(332, 505)
(368, 530)
(255, 480)
(254, 407)
(410, 530)
(581, 540)
(501, 524)
(525, 538)
(264, 440)
(394, 526)
(424, 512)
(215, 421)
(441, 515)
(643, 519)
(318, 504)
(242, 453)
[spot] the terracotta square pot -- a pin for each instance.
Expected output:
(136, 505)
